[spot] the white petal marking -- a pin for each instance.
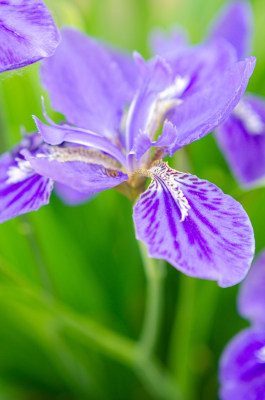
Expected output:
(261, 355)
(20, 172)
(161, 171)
(165, 101)
(250, 119)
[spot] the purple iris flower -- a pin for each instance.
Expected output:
(123, 116)
(27, 33)
(242, 366)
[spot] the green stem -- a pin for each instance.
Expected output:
(154, 377)
(155, 276)
(30, 233)
(179, 349)
(157, 380)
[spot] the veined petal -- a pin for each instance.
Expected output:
(72, 167)
(241, 139)
(242, 367)
(235, 24)
(86, 84)
(202, 111)
(57, 134)
(194, 226)
(251, 299)
(27, 33)
(21, 189)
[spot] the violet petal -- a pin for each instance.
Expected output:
(235, 24)
(209, 105)
(86, 84)
(242, 367)
(241, 139)
(27, 33)
(21, 189)
(194, 226)
(82, 176)
(251, 298)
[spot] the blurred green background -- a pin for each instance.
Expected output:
(62, 268)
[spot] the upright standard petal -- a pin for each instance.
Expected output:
(194, 226)
(75, 168)
(235, 24)
(128, 67)
(27, 33)
(21, 189)
(242, 367)
(86, 84)
(241, 139)
(251, 299)
(158, 93)
(203, 110)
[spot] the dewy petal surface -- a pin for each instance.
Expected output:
(86, 84)
(241, 139)
(235, 24)
(209, 105)
(251, 298)
(21, 189)
(78, 174)
(194, 226)
(242, 367)
(27, 33)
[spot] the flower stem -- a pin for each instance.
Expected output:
(30, 233)
(181, 336)
(155, 276)
(60, 320)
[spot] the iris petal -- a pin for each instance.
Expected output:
(241, 139)
(27, 33)
(21, 189)
(242, 367)
(193, 225)
(86, 84)
(251, 299)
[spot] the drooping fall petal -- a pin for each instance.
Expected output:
(194, 226)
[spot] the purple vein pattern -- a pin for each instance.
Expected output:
(21, 188)
(242, 365)
(182, 218)
(27, 33)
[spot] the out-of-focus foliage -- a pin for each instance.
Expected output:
(84, 262)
